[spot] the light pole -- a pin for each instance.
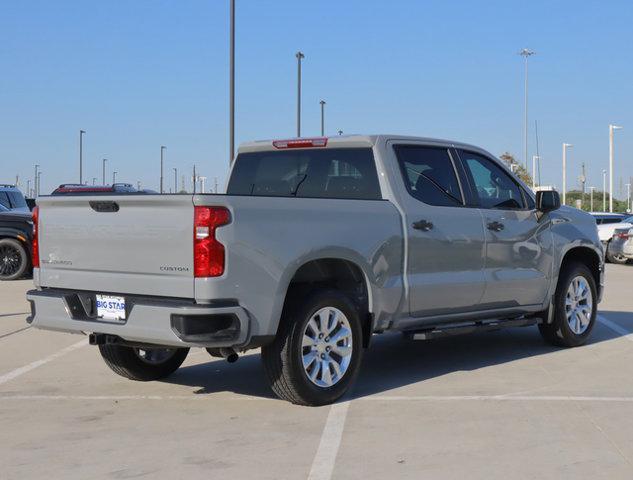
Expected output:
(114, 177)
(526, 53)
(591, 189)
(94, 180)
(628, 197)
(175, 180)
(232, 83)
(39, 182)
(202, 182)
(35, 190)
(81, 156)
(162, 150)
(612, 128)
(604, 190)
(340, 132)
(299, 56)
(322, 102)
(28, 188)
(565, 147)
(103, 170)
(535, 158)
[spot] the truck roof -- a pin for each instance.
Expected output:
(348, 141)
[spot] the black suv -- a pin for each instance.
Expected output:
(12, 199)
(16, 232)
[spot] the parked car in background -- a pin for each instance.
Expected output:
(606, 217)
(606, 232)
(12, 199)
(317, 245)
(78, 189)
(621, 245)
(16, 230)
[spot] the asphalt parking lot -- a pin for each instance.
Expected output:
(493, 405)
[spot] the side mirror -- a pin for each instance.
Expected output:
(547, 200)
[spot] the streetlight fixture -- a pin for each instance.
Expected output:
(526, 53)
(81, 155)
(299, 56)
(604, 190)
(162, 150)
(232, 83)
(175, 180)
(35, 190)
(103, 167)
(565, 147)
(591, 189)
(322, 102)
(340, 132)
(612, 128)
(535, 158)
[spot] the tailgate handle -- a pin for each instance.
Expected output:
(104, 206)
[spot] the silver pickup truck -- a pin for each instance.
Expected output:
(317, 245)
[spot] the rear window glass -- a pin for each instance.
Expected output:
(4, 200)
(324, 173)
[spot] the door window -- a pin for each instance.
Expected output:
(4, 200)
(493, 186)
(429, 175)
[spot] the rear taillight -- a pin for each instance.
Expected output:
(35, 254)
(208, 253)
(623, 235)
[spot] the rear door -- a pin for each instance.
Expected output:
(445, 255)
(136, 244)
(519, 248)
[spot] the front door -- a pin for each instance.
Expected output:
(445, 255)
(519, 248)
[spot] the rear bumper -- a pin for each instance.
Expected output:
(151, 320)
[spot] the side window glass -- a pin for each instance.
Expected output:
(494, 187)
(429, 175)
(4, 200)
(531, 204)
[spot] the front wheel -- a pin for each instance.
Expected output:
(317, 352)
(143, 364)
(575, 308)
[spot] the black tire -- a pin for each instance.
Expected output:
(617, 259)
(127, 362)
(283, 358)
(559, 332)
(14, 259)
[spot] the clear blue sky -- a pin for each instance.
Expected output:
(140, 74)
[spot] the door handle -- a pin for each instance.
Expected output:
(495, 226)
(422, 225)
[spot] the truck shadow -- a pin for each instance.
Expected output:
(393, 362)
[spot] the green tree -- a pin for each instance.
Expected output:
(619, 206)
(518, 169)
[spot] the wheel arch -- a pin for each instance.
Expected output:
(590, 258)
(339, 273)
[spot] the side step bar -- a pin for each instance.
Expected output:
(463, 328)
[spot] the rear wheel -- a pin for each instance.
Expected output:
(575, 307)
(14, 260)
(143, 364)
(618, 259)
(317, 352)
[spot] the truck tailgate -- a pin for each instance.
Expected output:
(136, 244)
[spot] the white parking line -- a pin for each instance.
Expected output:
(38, 363)
(325, 458)
(615, 327)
